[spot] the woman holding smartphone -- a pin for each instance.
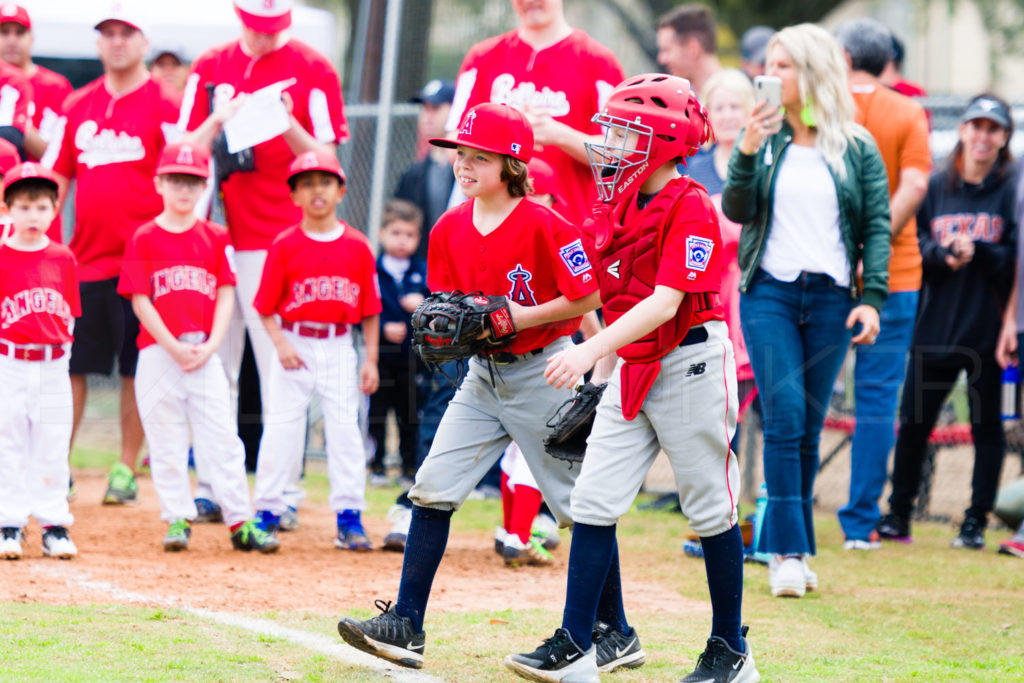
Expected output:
(810, 190)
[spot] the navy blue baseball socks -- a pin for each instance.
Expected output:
(558, 659)
(387, 635)
(719, 663)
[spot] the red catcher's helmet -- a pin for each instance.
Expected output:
(649, 120)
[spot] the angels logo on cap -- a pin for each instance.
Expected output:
(467, 123)
(308, 161)
(185, 155)
(9, 9)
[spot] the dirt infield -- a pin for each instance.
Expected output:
(121, 552)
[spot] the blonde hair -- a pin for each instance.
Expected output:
(733, 80)
(821, 77)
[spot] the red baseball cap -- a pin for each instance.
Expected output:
(186, 158)
(27, 170)
(496, 128)
(316, 160)
(15, 13)
(9, 157)
(125, 11)
(265, 16)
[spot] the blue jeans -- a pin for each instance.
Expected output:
(797, 338)
(878, 377)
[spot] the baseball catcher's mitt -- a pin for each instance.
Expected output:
(569, 431)
(448, 325)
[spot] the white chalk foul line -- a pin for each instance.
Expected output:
(311, 641)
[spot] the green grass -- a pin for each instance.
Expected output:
(922, 612)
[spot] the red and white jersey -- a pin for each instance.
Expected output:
(570, 80)
(257, 203)
(110, 145)
(180, 272)
(39, 298)
(15, 97)
(534, 256)
(49, 90)
(308, 280)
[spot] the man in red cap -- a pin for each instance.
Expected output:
(109, 138)
(15, 95)
(49, 88)
(555, 74)
(256, 202)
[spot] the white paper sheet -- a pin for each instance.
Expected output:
(262, 117)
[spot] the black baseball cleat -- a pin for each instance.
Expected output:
(559, 659)
(617, 650)
(387, 635)
(719, 663)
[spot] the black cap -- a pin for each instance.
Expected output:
(436, 92)
(990, 108)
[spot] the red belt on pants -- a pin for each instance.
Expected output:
(33, 352)
(315, 330)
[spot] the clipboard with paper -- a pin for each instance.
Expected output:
(263, 116)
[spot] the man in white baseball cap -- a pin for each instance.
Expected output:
(257, 205)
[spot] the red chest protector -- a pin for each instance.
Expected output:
(627, 259)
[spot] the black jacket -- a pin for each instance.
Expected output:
(414, 281)
(416, 186)
(964, 308)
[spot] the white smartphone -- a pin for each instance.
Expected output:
(768, 89)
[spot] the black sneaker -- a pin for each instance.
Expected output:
(972, 534)
(616, 649)
(893, 527)
(387, 635)
(557, 659)
(719, 663)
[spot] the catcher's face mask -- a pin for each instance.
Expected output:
(622, 159)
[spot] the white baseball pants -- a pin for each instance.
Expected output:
(332, 372)
(35, 436)
(690, 413)
(170, 401)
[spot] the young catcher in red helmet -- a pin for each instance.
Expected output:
(656, 249)
(500, 243)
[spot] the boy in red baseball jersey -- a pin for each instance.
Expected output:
(657, 252)
(499, 243)
(38, 305)
(178, 273)
(320, 279)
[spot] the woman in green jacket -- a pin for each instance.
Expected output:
(813, 198)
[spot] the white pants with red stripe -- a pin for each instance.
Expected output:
(171, 401)
(690, 413)
(35, 435)
(331, 372)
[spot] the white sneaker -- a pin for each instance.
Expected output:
(400, 518)
(786, 577)
(10, 543)
(379, 481)
(57, 544)
(857, 544)
(810, 578)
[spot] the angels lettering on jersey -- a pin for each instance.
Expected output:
(324, 288)
(35, 300)
(184, 278)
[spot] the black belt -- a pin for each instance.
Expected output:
(507, 357)
(696, 335)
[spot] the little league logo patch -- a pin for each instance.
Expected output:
(575, 258)
(698, 252)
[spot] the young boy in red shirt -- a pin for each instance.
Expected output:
(38, 304)
(319, 280)
(178, 271)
